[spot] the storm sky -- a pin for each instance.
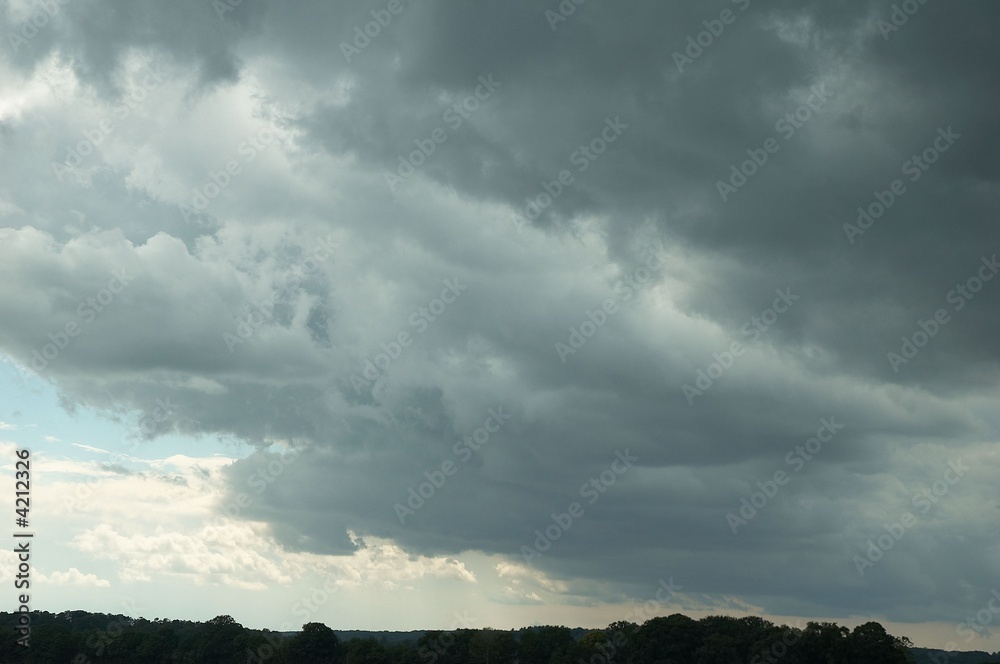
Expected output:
(501, 313)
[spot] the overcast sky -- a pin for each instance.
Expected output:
(500, 313)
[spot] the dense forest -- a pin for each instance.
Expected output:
(79, 637)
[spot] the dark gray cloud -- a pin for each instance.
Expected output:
(867, 103)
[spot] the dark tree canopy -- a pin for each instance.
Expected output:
(78, 637)
(315, 644)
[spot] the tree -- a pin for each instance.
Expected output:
(51, 643)
(315, 644)
(158, 646)
(546, 645)
(620, 641)
(367, 651)
(825, 642)
(676, 639)
(490, 646)
(217, 643)
(871, 643)
(717, 649)
(672, 638)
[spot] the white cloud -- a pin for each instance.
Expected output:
(84, 447)
(72, 577)
(177, 529)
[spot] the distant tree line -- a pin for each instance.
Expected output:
(79, 637)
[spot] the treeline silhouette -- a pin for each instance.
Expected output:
(80, 637)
